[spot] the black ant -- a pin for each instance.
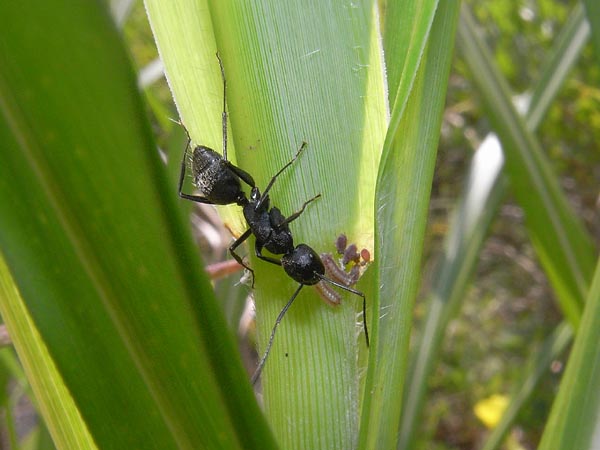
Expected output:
(219, 182)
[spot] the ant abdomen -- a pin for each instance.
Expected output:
(303, 265)
(213, 178)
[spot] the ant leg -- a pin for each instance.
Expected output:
(183, 161)
(224, 113)
(182, 171)
(237, 257)
(258, 251)
(261, 364)
(288, 164)
(244, 176)
(180, 123)
(354, 291)
(300, 211)
(194, 198)
(270, 185)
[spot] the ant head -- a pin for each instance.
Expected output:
(303, 264)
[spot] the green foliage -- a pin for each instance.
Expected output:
(119, 332)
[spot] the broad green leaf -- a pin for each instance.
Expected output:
(53, 399)
(403, 188)
(562, 244)
(294, 73)
(91, 234)
(406, 26)
(573, 421)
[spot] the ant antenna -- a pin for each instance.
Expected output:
(263, 360)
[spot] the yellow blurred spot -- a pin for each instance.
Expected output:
(490, 410)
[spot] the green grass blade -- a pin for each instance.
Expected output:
(402, 200)
(92, 236)
(573, 421)
(554, 346)
(294, 74)
(483, 193)
(565, 53)
(564, 248)
(53, 399)
(467, 231)
(570, 43)
(592, 9)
